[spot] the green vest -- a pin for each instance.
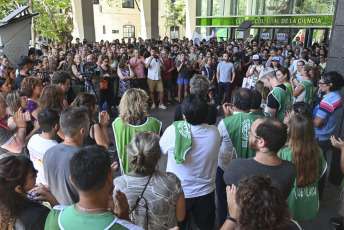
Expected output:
(124, 134)
(309, 91)
(303, 202)
(281, 96)
(238, 126)
(289, 98)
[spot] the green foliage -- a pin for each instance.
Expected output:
(51, 22)
(176, 12)
(7, 6)
(314, 7)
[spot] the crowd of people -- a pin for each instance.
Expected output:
(266, 160)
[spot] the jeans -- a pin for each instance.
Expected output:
(221, 196)
(227, 86)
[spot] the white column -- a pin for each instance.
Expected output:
(83, 19)
(190, 18)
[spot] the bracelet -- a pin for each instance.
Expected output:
(231, 218)
(21, 127)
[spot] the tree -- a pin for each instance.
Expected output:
(55, 19)
(8, 6)
(175, 14)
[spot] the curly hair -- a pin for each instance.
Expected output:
(133, 106)
(261, 204)
(28, 85)
(52, 97)
(199, 85)
(6, 73)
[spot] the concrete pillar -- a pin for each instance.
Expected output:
(335, 63)
(83, 19)
(190, 18)
(149, 19)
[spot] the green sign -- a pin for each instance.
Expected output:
(320, 20)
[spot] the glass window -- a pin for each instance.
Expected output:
(128, 4)
(174, 30)
(217, 8)
(128, 31)
(242, 7)
(202, 7)
(313, 6)
(104, 30)
(96, 2)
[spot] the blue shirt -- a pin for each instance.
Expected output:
(209, 73)
(329, 109)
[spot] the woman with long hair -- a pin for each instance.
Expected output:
(17, 100)
(283, 76)
(275, 63)
(32, 88)
(162, 201)
(106, 84)
(304, 90)
(52, 97)
(97, 133)
(133, 117)
(301, 149)
(18, 209)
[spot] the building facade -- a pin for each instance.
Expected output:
(127, 19)
(283, 20)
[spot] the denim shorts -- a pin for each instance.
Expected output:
(183, 81)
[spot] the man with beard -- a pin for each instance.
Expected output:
(266, 137)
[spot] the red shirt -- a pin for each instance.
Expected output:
(169, 65)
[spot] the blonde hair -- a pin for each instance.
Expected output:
(133, 106)
(144, 152)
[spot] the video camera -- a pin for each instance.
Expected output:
(89, 71)
(45, 74)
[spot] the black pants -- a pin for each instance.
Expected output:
(203, 210)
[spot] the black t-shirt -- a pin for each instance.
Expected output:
(283, 175)
(32, 217)
(272, 102)
(211, 119)
(18, 81)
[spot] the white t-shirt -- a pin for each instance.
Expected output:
(37, 147)
(197, 172)
(154, 69)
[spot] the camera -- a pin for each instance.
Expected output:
(156, 57)
(45, 73)
(89, 71)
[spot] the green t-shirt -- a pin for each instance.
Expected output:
(238, 126)
(72, 219)
(124, 134)
(309, 91)
(303, 202)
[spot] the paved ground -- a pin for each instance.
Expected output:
(328, 207)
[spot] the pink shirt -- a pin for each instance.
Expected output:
(139, 69)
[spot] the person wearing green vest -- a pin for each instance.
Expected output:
(302, 150)
(234, 136)
(277, 98)
(283, 76)
(93, 183)
(132, 118)
(304, 90)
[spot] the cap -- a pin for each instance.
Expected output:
(275, 59)
(315, 60)
(255, 57)
(23, 60)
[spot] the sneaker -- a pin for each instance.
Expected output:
(153, 106)
(161, 106)
(337, 221)
(218, 107)
(169, 102)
